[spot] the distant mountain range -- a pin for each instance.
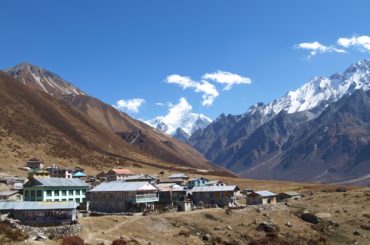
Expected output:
(180, 124)
(319, 132)
(52, 111)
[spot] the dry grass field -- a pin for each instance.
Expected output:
(344, 219)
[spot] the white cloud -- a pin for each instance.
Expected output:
(159, 104)
(130, 105)
(227, 78)
(360, 42)
(318, 48)
(208, 90)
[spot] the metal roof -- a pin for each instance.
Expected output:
(121, 171)
(8, 205)
(139, 176)
(178, 175)
(265, 193)
(79, 174)
(45, 205)
(56, 182)
(23, 205)
(170, 187)
(214, 188)
(123, 186)
(8, 193)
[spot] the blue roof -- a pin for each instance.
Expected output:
(79, 174)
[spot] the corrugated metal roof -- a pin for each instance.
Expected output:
(123, 186)
(45, 205)
(24, 205)
(8, 205)
(178, 175)
(122, 171)
(265, 193)
(139, 176)
(170, 187)
(59, 182)
(214, 188)
(79, 174)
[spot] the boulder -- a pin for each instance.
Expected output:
(207, 237)
(267, 227)
(311, 218)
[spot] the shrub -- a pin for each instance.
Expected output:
(73, 240)
(184, 233)
(119, 242)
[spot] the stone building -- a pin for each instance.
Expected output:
(121, 197)
(222, 196)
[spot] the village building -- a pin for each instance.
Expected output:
(197, 182)
(288, 195)
(178, 181)
(121, 197)
(140, 177)
(56, 172)
(55, 190)
(79, 175)
(261, 197)
(35, 164)
(40, 213)
(39, 174)
(171, 193)
(11, 180)
(13, 195)
(102, 176)
(17, 187)
(223, 196)
(247, 191)
(118, 174)
(182, 176)
(215, 183)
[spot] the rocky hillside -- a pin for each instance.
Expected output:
(134, 136)
(266, 141)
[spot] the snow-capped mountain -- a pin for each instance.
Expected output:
(43, 80)
(319, 92)
(324, 122)
(180, 122)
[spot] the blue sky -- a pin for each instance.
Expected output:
(120, 50)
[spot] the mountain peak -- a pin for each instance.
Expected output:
(43, 80)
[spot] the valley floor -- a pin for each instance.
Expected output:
(345, 219)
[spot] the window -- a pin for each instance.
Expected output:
(33, 193)
(70, 199)
(64, 193)
(56, 200)
(78, 192)
(56, 193)
(84, 192)
(78, 200)
(70, 192)
(48, 193)
(39, 193)
(26, 193)
(63, 200)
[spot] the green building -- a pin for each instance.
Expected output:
(55, 190)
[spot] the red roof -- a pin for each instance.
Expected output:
(122, 171)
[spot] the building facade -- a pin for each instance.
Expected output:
(222, 196)
(55, 190)
(197, 182)
(261, 198)
(119, 197)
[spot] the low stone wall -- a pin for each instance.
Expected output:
(50, 231)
